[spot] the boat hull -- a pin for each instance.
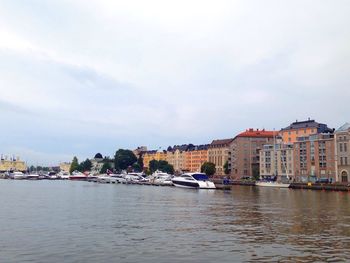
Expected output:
(272, 184)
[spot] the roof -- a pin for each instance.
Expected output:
(222, 141)
(251, 133)
(345, 127)
(307, 124)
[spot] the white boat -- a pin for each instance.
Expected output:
(63, 175)
(119, 178)
(160, 178)
(18, 175)
(107, 179)
(194, 181)
(272, 184)
(33, 177)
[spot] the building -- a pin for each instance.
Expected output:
(153, 155)
(139, 151)
(244, 152)
(218, 153)
(314, 157)
(195, 157)
(276, 160)
(12, 164)
(298, 129)
(176, 156)
(342, 152)
(65, 166)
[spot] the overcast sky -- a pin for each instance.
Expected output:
(84, 76)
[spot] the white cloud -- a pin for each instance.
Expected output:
(123, 73)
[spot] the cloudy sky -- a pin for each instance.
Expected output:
(84, 76)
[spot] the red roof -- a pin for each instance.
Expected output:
(257, 133)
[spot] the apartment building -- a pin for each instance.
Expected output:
(218, 153)
(342, 151)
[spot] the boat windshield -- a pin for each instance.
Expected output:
(200, 177)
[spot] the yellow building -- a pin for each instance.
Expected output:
(196, 157)
(14, 164)
(153, 155)
(65, 167)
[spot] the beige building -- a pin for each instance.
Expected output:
(12, 164)
(342, 151)
(177, 158)
(65, 167)
(277, 161)
(218, 153)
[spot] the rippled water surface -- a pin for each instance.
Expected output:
(65, 221)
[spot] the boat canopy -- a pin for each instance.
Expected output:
(200, 177)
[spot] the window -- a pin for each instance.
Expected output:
(289, 139)
(345, 160)
(345, 147)
(341, 160)
(340, 147)
(304, 130)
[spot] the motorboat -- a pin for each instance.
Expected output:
(63, 175)
(119, 178)
(193, 180)
(33, 177)
(106, 178)
(78, 176)
(52, 176)
(18, 175)
(272, 184)
(160, 178)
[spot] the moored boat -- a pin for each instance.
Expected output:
(194, 181)
(272, 184)
(78, 176)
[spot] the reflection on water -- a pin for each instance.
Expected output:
(60, 221)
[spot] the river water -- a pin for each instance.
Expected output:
(67, 221)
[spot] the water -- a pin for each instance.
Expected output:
(65, 221)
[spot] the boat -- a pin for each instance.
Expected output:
(33, 177)
(78, 176)
(272, 184)
(194, 181)
(160, 178)
(18, 175)
(63, 175)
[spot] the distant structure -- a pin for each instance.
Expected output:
(65, 166)
(12, 164)
(218, 154)
(244, 151)
(297, 129)
(342, 152)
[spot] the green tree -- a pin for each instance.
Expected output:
(106, 166)
(226, 169)
(161, 165)
(74, 165)
(85, 166)
(208, 168)
(140, 162)
(136, 167)
(123, 159)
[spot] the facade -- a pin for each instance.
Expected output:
(65, 167)
(139, 151)
(314, 157)
(12, 164)
(177, 158)
(196, 157)
(218, 153)
(277, 161)
(342, 151)
(244, 151)
(153, 155)
(297, 129)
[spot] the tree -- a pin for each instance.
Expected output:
(136, 167)
(140, 162)
(106, 166)
(123, 159)
(85, 166)
(208, 168)
(161, 165)
(226, 169)
(75, 165)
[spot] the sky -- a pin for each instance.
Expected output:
(85, 76)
